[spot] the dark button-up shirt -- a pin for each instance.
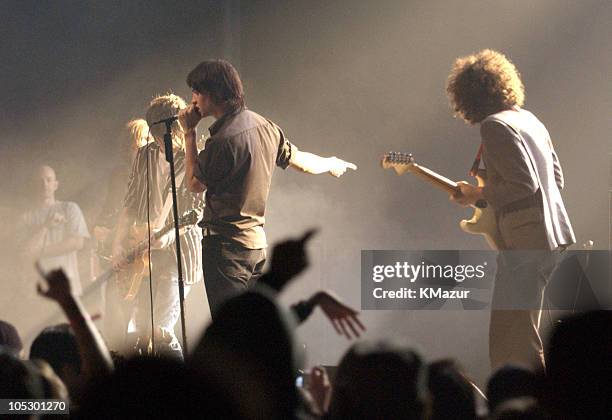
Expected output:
(236, 166)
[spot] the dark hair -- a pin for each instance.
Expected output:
(510, 382)
(482, 84)
(381, 380)
(57, 346)
(578, 366)
(9, 337)
(151, 387)
(250, 346)
(18, 379)
(452, 393)
(219, 79)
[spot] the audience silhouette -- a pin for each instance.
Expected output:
(247, 363)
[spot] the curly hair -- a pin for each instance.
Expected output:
(482, 84)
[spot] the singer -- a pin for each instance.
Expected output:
(235, 168)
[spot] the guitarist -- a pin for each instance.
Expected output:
(524, 182)
(151, 201)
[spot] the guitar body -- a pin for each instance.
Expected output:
(483, 221)
(130, 278)
(136, 261)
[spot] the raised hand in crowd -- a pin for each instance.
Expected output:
(96, 359)
(289, 258)
(342, 317)
(320, 389)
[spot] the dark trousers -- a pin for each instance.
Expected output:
(229, 269)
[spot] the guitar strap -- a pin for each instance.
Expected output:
(159, 222)
(476, 164)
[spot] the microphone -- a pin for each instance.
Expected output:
(168, 121)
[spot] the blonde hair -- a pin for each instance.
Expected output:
(166, 106)
(482, 84)
(139, 132)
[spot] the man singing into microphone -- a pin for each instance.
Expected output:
(235, 168)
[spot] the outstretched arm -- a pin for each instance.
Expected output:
(342, 317)
(315, 164)
(96, 357)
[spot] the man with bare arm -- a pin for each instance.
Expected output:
(53, 230)
(235, 168)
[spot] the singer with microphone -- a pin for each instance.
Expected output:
(148, 202)
(235, 168)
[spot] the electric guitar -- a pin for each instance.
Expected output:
(483, 221)
(130, 277)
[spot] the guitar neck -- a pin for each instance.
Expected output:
(133, 253)
(138, 249)
(436, 179)
(185, 220)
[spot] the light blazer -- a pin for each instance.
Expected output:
(520, 160)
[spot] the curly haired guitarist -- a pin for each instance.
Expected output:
(524, 180)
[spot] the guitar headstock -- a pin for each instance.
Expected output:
(399, 162)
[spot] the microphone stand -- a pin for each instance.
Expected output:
(170, 159)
